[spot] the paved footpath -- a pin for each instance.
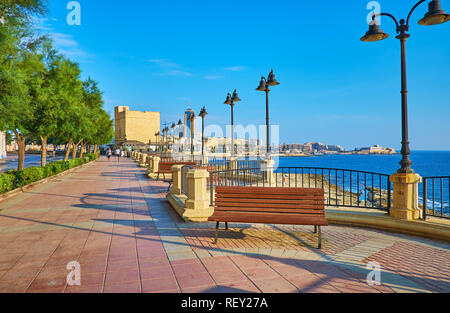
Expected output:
(117, 225)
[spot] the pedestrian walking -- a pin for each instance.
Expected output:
(108, 154)
(118, 154)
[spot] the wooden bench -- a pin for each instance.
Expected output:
(268, 205)
(166, 168)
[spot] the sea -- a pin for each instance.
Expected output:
(425, 163)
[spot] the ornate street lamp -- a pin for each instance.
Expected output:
(173, 133)
(192, 119)
(434, 16)
(231, 99)
(203, 114)
(265, 85)
(157, 141)
(166, 140)
(180, 123)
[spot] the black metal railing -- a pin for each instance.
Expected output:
(436, 197)
(343, 188)
(224, 164)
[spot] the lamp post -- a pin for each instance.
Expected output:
(265, 85)
(180, 123)
(173, 134)
(203, 114)
(157, 141)
(231, 99)
(192, 119)
(434, 16)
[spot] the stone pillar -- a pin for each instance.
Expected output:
(150, 164)
(155, 164)
(198, 205)
(176, 177)
(406, 196)
(267, 171)
(144, 161)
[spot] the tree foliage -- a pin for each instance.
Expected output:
(42, 95)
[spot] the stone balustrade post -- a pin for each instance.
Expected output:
(155, 165)
(176, 177)
(267, 171)
(143, 162)
(150, 164)
(198, 203)
(406, 196)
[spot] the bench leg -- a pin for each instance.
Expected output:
(216, 236)
(320, 237)
(315, 229)
(226, 225)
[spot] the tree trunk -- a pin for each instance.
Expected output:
(81, 151)
(21, 144)
(69, 146)
(95, 149)
(74, 152)
(44, 151)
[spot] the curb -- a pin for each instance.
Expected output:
(394, 225)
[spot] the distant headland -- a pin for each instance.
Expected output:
(318, 148)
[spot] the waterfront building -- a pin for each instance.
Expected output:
(377, 149)
(2, 145)
(136, 127)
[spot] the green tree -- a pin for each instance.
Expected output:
(44, 103)
(68, 94)
(19, 68)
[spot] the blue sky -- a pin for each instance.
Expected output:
(161, 55)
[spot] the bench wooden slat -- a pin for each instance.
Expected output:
(298, 207)
(271, 210)
(270, 218)
(315, 200)
(268, 196)
(270, 190)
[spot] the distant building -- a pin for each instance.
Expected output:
(377, 149)
(335, 148)
(136, 127)
(310, 147)
(2, 145)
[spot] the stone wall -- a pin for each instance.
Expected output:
(135, 125)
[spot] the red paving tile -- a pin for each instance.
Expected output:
(165, 284)
(274, 285)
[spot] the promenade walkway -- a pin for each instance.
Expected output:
(117, 224)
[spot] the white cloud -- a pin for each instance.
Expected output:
(169, 68)
(64, 43)
(174, 73)
(235, 68)
(68, 46)
(213, 77)
(63, 40)
(164, 63)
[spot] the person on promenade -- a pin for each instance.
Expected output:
(118, 154)
(108, 154)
